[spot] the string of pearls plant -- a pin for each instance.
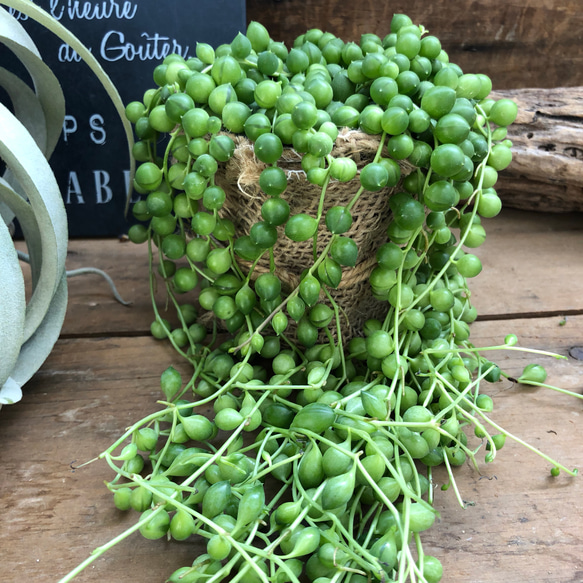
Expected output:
(299, 448)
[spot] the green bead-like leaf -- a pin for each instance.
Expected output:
(345, 251)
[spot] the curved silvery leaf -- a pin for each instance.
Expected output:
(31, 169)
(45, 125)
(10, 392)
(12, 306)
(26, 106)
(15, 32)
(20, 208)
(28, 190)
(46, 20)
(28, 110)
(35, 350)
(46, 85)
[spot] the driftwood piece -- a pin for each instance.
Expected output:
(546, 173)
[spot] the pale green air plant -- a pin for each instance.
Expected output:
(29, 192)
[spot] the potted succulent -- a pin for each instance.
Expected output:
(311, 214)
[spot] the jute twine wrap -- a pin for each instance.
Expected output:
(371, 217)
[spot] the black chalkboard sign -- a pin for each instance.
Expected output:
(129, 38)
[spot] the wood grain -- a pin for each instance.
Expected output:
(82, 400)
(518, 44)
(546, 173)
(531, 265)
(103, 375)
(522, 526)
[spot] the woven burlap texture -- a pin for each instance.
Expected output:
(371, 217)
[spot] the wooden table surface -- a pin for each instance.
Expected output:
(520, 524)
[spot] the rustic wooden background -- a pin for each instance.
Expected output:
(521, 526)
(518, 43)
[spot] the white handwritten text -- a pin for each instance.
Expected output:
(154, 48)
(90, 11)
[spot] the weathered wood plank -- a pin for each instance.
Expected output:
(518, 44)
(546, 173)
(523, 527)
(79, 403)
(531, 265)
(92, 309)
